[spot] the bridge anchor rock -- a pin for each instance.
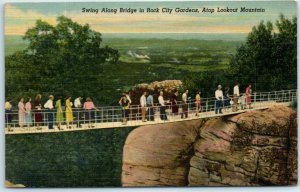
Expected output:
(248, 149)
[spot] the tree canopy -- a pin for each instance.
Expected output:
(268, 59)
(63, 59)
(68, 59)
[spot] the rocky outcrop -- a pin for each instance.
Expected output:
(249, 149)
(168, 86)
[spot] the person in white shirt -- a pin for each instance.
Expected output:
(128, 97)
(236, 95)
(219, 99)
(184, 105)
(78, 106)
(236, 89)
(77, 102)
(143, 103)
(161, 102)
(49, 103)
(49, 106)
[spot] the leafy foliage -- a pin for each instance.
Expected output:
(268, 59)
(206, 82)
(74, 159)
(59, 60)
(71, 66)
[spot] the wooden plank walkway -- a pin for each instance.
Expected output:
(136, 123)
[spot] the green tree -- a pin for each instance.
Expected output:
(285, 52)
(268, 59)
(62, 59)
(206, 82)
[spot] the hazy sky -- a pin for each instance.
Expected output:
(21, 16)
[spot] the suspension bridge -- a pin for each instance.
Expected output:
(111, 117)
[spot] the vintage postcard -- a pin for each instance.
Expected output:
(147, 94)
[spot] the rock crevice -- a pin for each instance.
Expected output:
(249, 149)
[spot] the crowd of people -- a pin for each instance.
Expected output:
(59, 113)
(56, 111)
(222, 99)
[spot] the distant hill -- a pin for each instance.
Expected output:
(180, 36)
(15, 43)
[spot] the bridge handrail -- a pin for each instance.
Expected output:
(209, 99)
(114, 113)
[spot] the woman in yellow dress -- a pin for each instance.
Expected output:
(59, 113)
(198, 102)
(69, 112)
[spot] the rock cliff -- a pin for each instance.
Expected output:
(249, 149)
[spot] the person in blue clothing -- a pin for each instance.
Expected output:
(150, 105)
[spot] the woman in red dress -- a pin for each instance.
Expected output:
(248, 96)
(37, 111)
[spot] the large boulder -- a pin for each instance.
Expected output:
(249, 149)
(159, 155)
